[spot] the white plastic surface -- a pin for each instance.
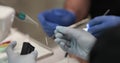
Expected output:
(20, 38)
(6, 20)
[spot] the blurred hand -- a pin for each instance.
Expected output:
(17, 58)
(98, 24)
(52, 18)
(73, 41)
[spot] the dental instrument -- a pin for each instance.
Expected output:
(25, 18)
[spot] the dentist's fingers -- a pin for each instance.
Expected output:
(34, 54)
(64, 44)
(10, 48)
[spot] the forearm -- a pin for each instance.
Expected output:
(79, 7)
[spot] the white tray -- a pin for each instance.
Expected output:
(15, 35)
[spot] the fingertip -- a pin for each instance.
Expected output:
(57, 40)
(62, 29)
(58, 35)
(12, 44)
(55, 31)
(9, 49)
(35, 53)
(96, 21)
(62, 43)
(93, 22)
(59, 27)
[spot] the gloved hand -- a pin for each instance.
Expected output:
(52, 18)
(16, 58)
(73, 41)
(101, 23)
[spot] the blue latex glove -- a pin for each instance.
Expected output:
(73, 41)
(52, 18)
(101, 23)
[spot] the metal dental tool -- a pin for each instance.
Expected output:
(25, 18)
(107, 12)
